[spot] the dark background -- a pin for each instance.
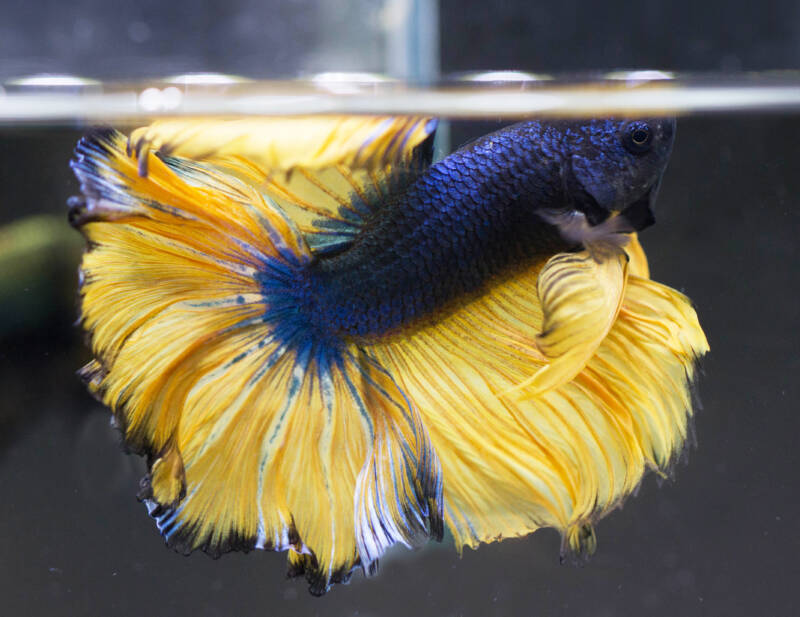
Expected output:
(719, 540)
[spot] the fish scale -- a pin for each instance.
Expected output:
(467, 219)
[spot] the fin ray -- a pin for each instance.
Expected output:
(560, 458)
(257, 433)
(315, 169)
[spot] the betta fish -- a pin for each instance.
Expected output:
(327, 344)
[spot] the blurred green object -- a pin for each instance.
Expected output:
(39, 258)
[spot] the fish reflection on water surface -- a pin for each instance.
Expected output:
(326, 345)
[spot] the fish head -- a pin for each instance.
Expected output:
(614, 166)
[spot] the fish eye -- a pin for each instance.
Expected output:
(638, 137)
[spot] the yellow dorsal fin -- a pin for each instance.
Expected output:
(283, 144)
(327, 173)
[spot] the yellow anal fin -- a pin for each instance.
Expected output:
(650, 357)
(566, 457)
(579, 542)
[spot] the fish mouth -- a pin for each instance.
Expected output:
(635, 216)
(639, 214)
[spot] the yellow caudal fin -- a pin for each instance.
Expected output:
(258, 435)
(399, 492)
(167, 259)
(564, 456)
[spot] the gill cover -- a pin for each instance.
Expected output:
(620, 172)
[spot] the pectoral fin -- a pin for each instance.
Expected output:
(580, 299)
(637, 264)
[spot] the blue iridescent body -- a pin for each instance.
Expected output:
(478, 214)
